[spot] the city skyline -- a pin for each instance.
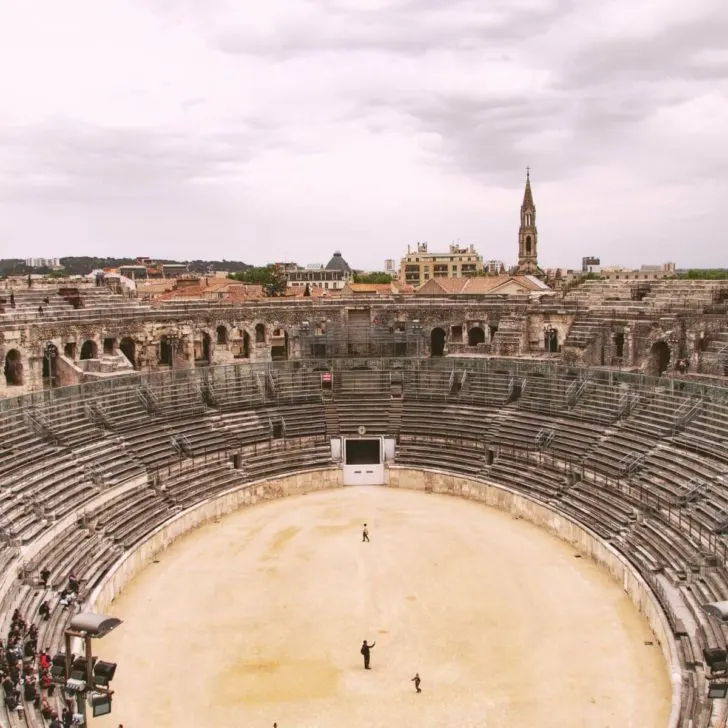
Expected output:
(289, 130)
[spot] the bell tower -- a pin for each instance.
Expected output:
(528, 234)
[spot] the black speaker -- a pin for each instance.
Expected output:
(104, 672)
(714, 654)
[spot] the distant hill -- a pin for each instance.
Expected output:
(82, 265)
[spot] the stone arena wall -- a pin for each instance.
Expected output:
(427, 481)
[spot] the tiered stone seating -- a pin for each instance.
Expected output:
(128, 518)
(301, 419)
(656, 413)
(179, 398)
(362, 397)
(706, 434)
(609, 453)
(603, 509)
(667, 471)
(18, 444)
(108, 460)
(525, 472)
(451, 455)
(426, 384)
(197, 484)
(297, 385)
(66, 416)
(233, 387)
(600, 402)
(583, 332)
(278, 456)
(448, 420)
(573, 438)
(544, 394)
(491, 388)
(520, 429)
(245, 426)
(567, 446)
(509, 336)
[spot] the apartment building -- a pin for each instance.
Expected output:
(419, 266)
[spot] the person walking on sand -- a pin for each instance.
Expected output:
(365, 534)
(365, 650)
(416, 680)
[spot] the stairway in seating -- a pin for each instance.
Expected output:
(495, 420)
(582, 333)
(394, 420)
(333, 428)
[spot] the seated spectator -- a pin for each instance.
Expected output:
(44, 611)
(45, 574)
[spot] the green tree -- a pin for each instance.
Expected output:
(271, 277)
(704, 274)
(377, 277)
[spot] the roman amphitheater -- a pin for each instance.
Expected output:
(146, 450)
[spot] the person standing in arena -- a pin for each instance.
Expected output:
(365, 650)
(416, 680)
(365, 534)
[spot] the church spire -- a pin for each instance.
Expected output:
(528, 234)
(528, 195)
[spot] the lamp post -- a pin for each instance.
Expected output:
(87, 678)
(50, 353)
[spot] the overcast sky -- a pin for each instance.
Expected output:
(283, 130)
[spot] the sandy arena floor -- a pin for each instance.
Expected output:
(260, 617)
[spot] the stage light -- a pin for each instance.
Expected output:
(104, 672)
(58, 668)
(75, 685)
(714, 655)
(717, 691)
(100, 704)
(79, 669)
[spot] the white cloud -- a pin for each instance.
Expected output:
(288, 129)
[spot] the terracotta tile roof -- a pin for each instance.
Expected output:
(480, 285)
(379, 289)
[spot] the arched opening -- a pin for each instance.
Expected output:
(476, 336)
(551, 340)
(260, 333)
(89, 350)
(492, 328)
(437, 342)
(246, 345)
(659, 358)
(128, 349)
(279, 353)
(528, 245)
(222, 335)
(619, 345)
(109, 343)
(13, 368)
(50, 364)
(69, 350)
(203, 350)
(702, 343)
(165, 351)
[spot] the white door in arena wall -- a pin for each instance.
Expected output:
(363, 460)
